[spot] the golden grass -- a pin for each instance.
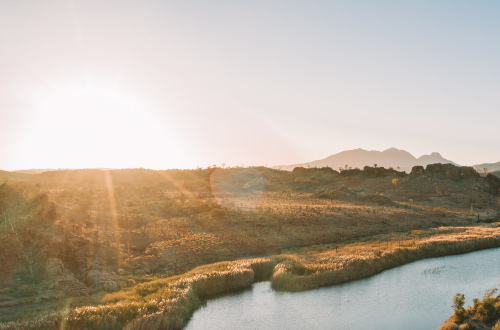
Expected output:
(311, 269)
(168, 303)
(166, 223)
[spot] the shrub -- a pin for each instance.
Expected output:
(458, 305)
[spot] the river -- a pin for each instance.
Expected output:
(415, 296)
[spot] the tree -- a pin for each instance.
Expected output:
(458, 305)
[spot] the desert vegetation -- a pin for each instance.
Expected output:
(142, 249)
(483, 314)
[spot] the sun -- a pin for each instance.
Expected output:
(83, 126)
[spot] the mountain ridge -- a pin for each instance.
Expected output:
(392, 157)
(490, 167)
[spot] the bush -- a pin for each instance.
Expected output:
(458, 305)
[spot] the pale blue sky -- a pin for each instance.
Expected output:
(162, 84)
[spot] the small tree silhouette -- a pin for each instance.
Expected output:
(458, 305)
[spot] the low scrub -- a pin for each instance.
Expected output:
(484, 314)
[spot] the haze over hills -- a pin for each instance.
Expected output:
(357, 158)
(491, 167)
(43, 170)
(35, 170)
(360, 158)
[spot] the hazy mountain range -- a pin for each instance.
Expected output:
(398, 159)
(388, 158)
(492, 167)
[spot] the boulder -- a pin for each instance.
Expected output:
(417, 170)
(494, 183)
(103, 280)
(434, 168)
(94, 278)
(451, 171)
(468, 172)
(54, 267)
(110, 286)
(71, 286)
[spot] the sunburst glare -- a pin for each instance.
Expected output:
(97, 126)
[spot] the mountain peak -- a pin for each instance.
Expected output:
(392, 157)
(392, 150)
(434, 157)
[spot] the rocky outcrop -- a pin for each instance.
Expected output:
(63, 281)
(447, 170)
(494, 183)
(490, 183)
(351, 172)
(70, 286)
(99, 278)
(314, 170)
(373, 172)
(416, 170)
(452, 171)
(54, 267)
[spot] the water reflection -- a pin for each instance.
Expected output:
(417, 296)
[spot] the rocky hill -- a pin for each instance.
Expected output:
(85, 233)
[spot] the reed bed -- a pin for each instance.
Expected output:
(364, 259)
(168, 303)
(159, 304)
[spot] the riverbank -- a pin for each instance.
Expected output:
(168, 303)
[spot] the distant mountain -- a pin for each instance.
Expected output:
(43, 170)
(360, 158)
(35, 171)
(491, 167)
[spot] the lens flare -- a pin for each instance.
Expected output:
(228, 185)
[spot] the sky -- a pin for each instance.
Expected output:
(186, 84)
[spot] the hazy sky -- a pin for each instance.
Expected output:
(163, 84)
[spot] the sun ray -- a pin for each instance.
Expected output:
(114, 212)
(190, 195)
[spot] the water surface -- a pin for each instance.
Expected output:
(416, 296)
